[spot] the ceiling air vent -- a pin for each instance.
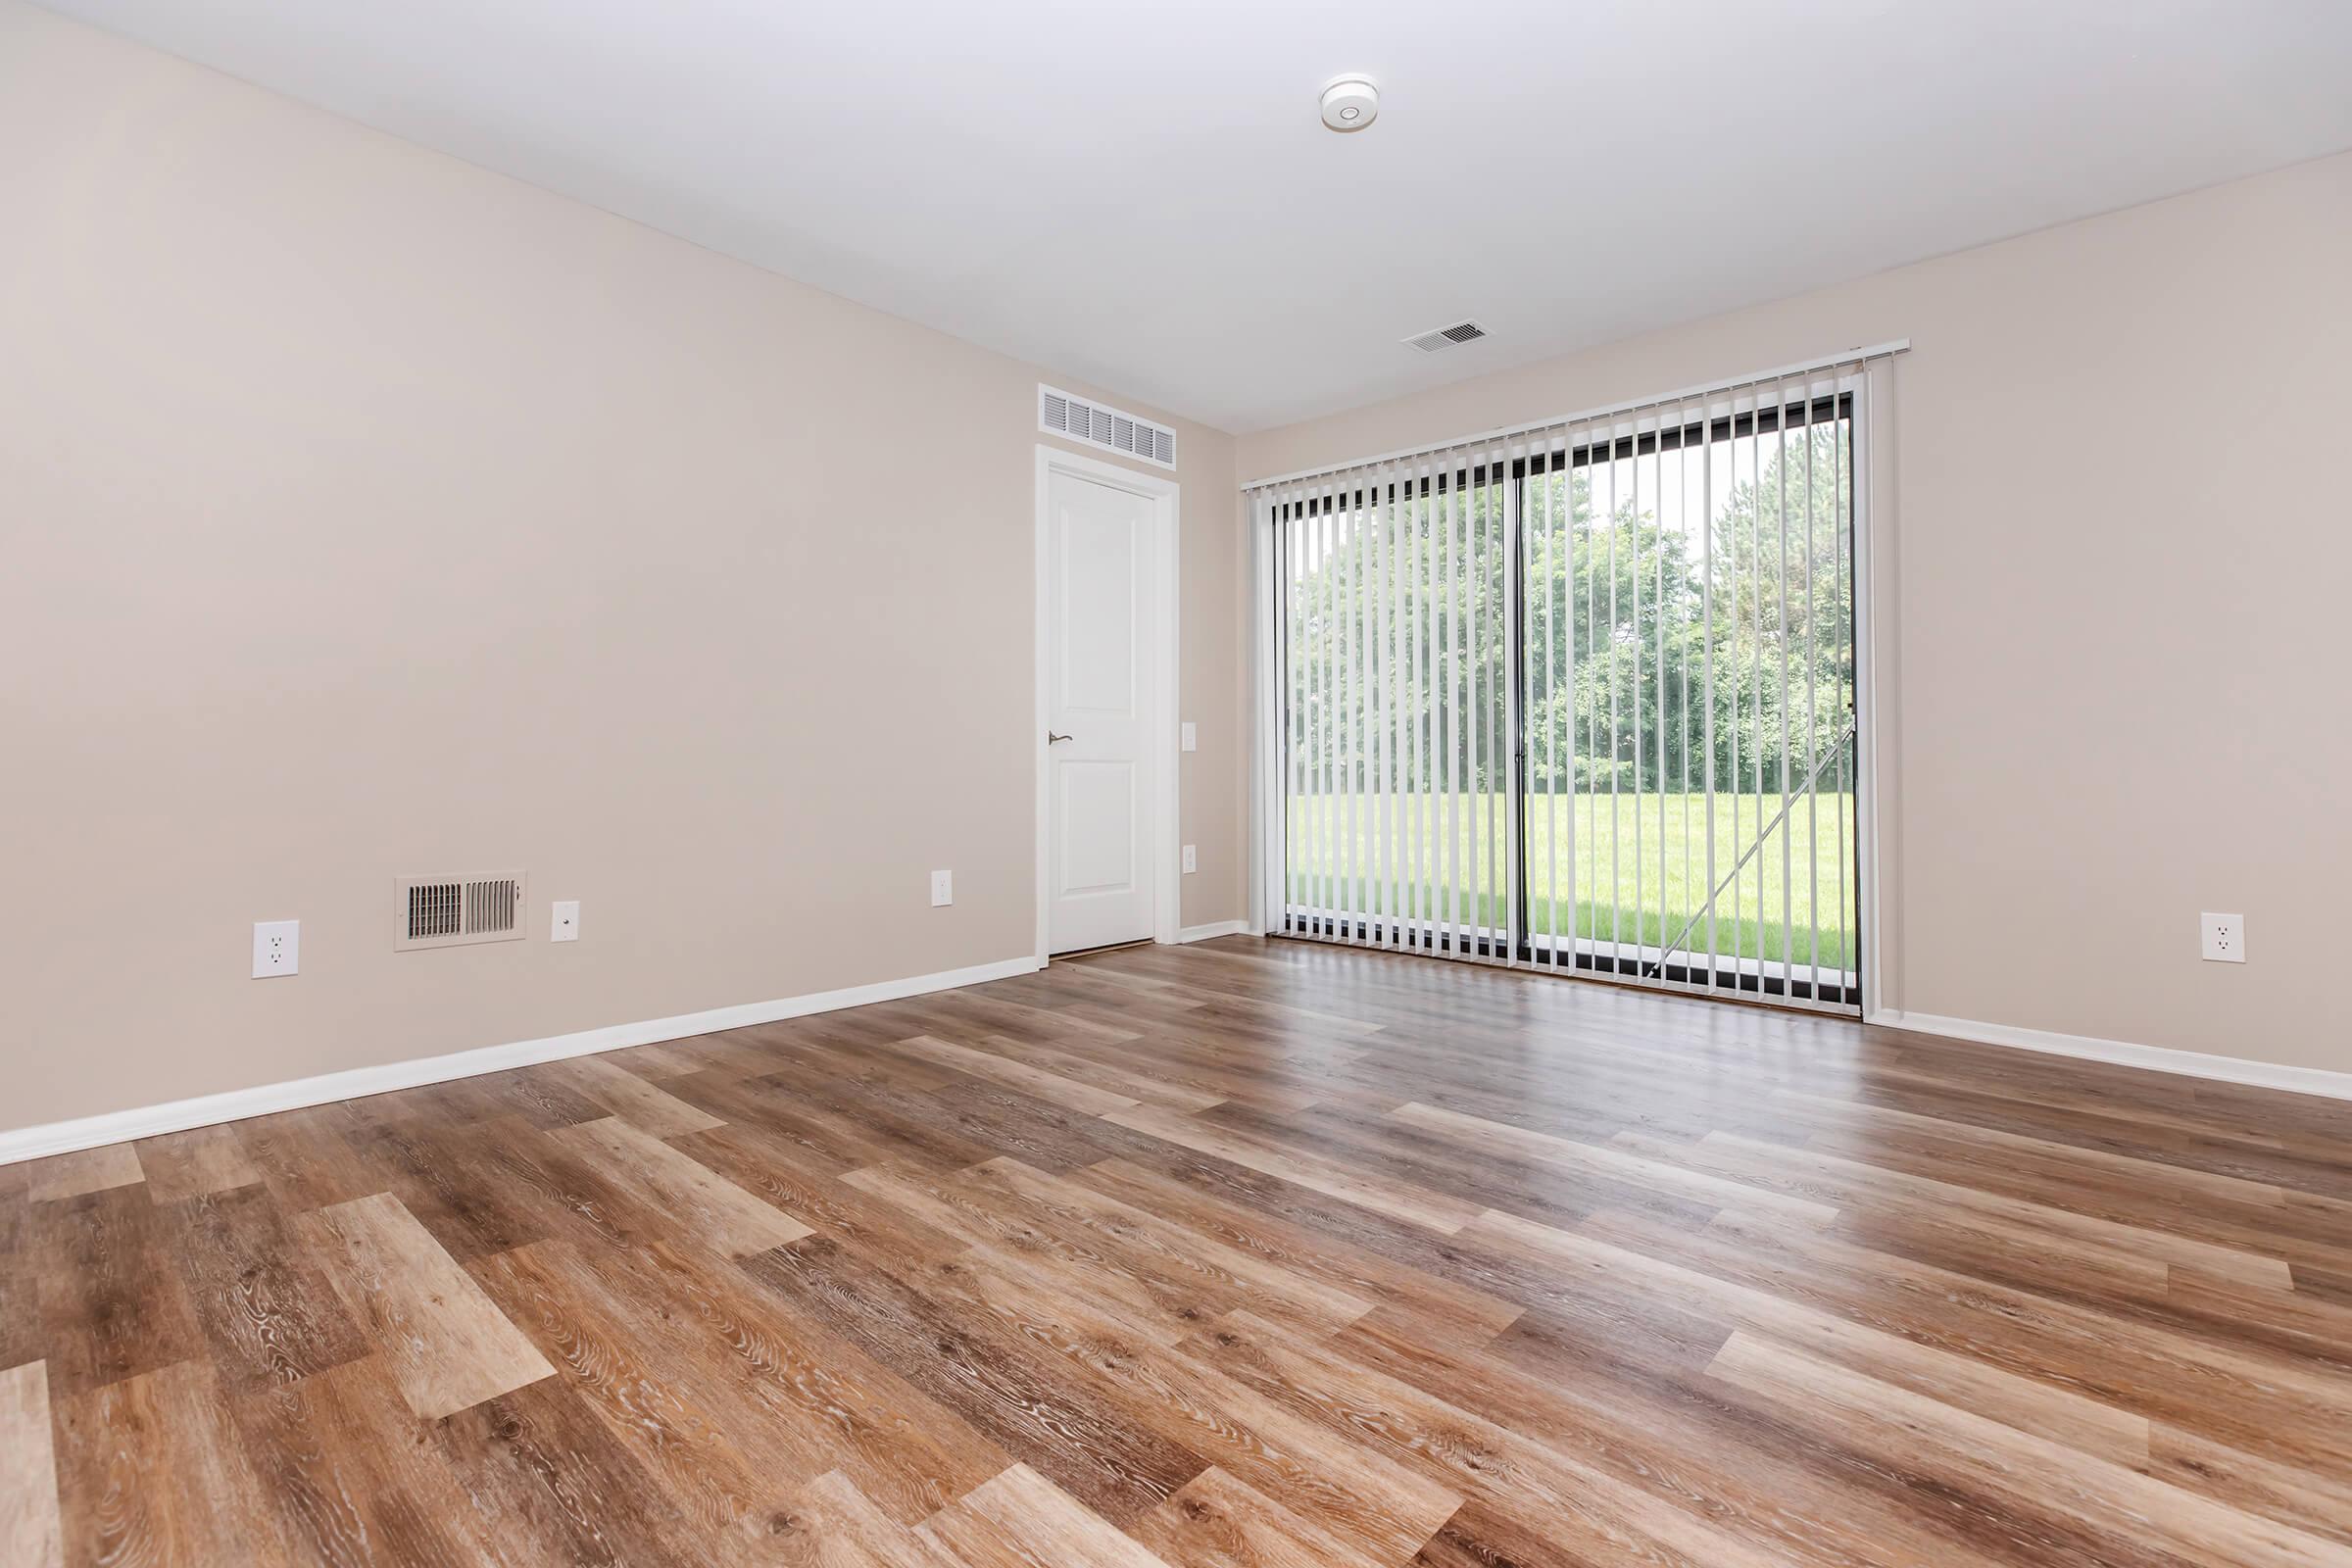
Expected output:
(1081, 421)
(448, 912)
(1445, 337)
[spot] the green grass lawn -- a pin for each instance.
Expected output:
(1569, 846)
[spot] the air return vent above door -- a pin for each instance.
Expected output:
(1091, 422)
(1445, 337)
(448, 912)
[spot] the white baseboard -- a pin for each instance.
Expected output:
(178, 1115)
(1222, 929)
(2124, 1054)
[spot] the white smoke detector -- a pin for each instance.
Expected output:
(1350, 103)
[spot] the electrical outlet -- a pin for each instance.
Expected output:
(2224, 938)
(943, 889)
(1192, 862)
(1191, 736)
(563, 921)
(277, 948)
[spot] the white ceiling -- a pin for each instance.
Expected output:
(1141, 195)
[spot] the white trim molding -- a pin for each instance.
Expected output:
(1268, 894)
(2124, 1054)
(1876, 588)
(1221, 928)
(178, 1115)
(1167, 501)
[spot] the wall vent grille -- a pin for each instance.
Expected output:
(448, 912)
(1445, 337)
(1081, 420)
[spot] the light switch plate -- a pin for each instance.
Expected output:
(277, 948)
(563, 921)
(1192, 738)
(1192, 862)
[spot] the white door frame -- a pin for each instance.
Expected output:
(1876, 536)
(1167, 892)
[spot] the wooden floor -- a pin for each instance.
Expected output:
(1242, 1253)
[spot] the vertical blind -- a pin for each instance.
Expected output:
(1584, 696)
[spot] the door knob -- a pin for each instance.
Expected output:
(1052, 738)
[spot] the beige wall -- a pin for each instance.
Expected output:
(2118, 602)
(364, 513)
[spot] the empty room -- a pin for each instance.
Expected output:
(1030, 786)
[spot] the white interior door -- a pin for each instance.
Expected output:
(1100, 684)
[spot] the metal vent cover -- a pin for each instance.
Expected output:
(1445, 337)
(1083, 420)
(449, 912)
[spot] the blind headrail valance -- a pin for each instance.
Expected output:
(1615, 410)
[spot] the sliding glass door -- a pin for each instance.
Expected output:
(1584, 698)
(1397, 794)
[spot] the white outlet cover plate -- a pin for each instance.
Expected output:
(277, 948)
(943, 889)
(1191, 736)
(1192, 861)
(2224, 938)
(563, 921)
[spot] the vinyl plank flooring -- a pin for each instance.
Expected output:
(540, 1098)
(1245, 1254)
(1034, 1408)
(1480, 1536)
(1616, 1164)
(2085, 1423)
(2230, 1391)
(2084, 1231)
(1352, 1271)
(267, 1311)
(1021, 1518)
(1037, 1132)
(1474, 1456)
(112, 1303)
(641, 1103)
(873, 1122)
(1070, 1093)
(711, 1207)
(447, 1344)
(773, 1170)
(2292, 1494)
(1219, 1521)
(2140, 1513)
(31, 1536)
(1334, 1178)
(540, 1458)
(440, 1172)
(307, 1158)
(1143, 1307)
(2043, 1157)
(1654, 1422)
(87, 1170)
(190, 1164)
(21, 1333)
(557, 1301)
(150, 1471)
(1352, 1491)
(831, 1524)
(1146, 1247)
(804, 1396)
(356, 1480)
(1133, 1078)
